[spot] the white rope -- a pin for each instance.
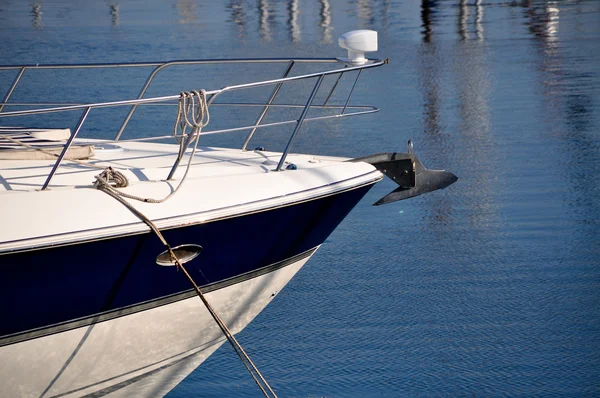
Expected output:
(191, 103)
(192, 112)
(237, 347)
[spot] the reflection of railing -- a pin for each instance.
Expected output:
(212, 95)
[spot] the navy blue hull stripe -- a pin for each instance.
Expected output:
(108, 315)
(58, 285)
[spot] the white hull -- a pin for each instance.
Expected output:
(143, 354)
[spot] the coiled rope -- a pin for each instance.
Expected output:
(192, 112)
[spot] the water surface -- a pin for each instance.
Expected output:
(488, 288)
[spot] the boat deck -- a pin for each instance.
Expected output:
(220, 183)
(143, 162)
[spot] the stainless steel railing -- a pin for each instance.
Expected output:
(85, 109)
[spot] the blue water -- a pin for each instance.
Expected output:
(488, 288)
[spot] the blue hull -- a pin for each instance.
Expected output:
(53, 289)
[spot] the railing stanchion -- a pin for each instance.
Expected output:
(333, 88)
(266, 108)
(300, 121)
(140, 95)
(12, 88)
(351, 91)
(66, 147)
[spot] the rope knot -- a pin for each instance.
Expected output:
(111, 178)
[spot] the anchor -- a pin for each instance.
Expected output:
(406, 170)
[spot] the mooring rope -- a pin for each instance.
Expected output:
(192, 113)
(195, 105)
(250, 366)
(191, 103)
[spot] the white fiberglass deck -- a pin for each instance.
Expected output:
(221, 183)
(143, 162)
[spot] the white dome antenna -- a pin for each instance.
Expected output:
(358, 42)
